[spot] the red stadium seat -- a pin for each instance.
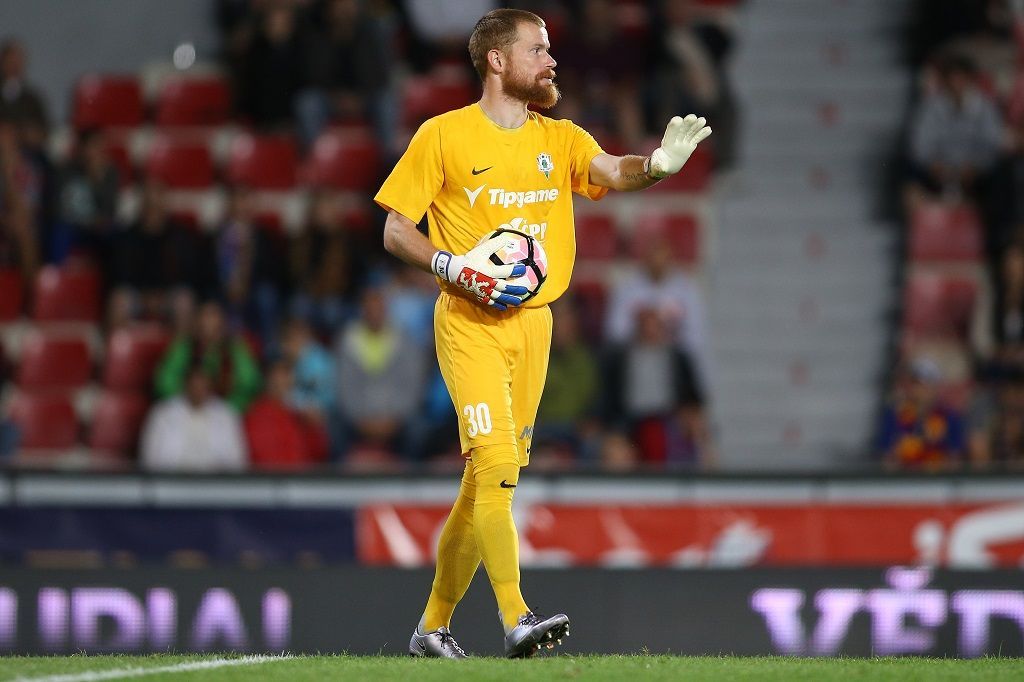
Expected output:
(67, 295)
(116, 422)
(695, 175)
(596, 237)
(938, 305)
(270, 219)
(45, 420)
(132, 356)
(939, 232)
(198, 101)
(680, 230)
(180, 164)
(444, 89)
(53, 361)
(108, 100)
(263, 162)
(12, 295)
(344, 159)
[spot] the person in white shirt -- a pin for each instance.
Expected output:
(676, 296)
(193, 432)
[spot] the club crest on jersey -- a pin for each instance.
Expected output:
(545, 165)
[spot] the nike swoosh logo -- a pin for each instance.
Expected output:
(482, 170)
(503, 484)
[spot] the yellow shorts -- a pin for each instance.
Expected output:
(494, 364)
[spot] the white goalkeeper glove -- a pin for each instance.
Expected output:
(477, 274)
(681, 137)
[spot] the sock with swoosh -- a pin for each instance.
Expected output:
(496, 468)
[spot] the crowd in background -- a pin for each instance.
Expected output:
(958, 399)
(315, 347)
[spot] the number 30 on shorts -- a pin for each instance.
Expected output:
(478, 419)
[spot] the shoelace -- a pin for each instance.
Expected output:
(449, 641)
(530, 618)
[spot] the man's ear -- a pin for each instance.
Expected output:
(496, 59)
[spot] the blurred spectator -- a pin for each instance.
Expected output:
(314, 392)
(411, 296)
(571, 392)
(233, 371)
(19, 240)
(934, 23)
(325, 268)
(955, 136)
(195, 431)
(435, 426)
(1009, 299)
(380, 380)
(26, 179)
(991, 46)
(235, 21)
(278, 436)
(439, 30)
(271, 70)
(601, 68)
(9, 437)
(156, 256)
(676, 297)
(20, 102)
(347, 72)
(691, 54)
(1003, 202)
(87, 198)
(997, 420)
(251, 272)
(451, 21)
(618, 453)
(652, 393)
(919, 430)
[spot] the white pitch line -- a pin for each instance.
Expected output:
(141, 672)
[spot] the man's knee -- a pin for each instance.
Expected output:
(496, 466)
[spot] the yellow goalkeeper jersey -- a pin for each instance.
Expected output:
(471, 177)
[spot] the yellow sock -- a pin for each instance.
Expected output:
(457, 558)
(497, 473)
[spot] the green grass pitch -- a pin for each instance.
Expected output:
(556, 667)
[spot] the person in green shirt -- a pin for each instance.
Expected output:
(226, 358)
(565, 417)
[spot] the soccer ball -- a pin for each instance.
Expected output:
(520, 247)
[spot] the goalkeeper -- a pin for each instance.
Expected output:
(470, 171)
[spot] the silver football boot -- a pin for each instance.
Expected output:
(534, 633)
(436, 644)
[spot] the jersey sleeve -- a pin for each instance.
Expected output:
(417, 177)
(582, 150)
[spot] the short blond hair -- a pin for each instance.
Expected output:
(497, 30)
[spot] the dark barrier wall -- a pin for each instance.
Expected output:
(361, 610)
(154, 535)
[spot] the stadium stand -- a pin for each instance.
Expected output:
(188, 132)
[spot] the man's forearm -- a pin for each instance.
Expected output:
(632, 175)
(403, 240)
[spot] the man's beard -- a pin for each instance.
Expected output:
(518, 86)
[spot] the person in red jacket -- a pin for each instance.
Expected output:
(279, 437)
